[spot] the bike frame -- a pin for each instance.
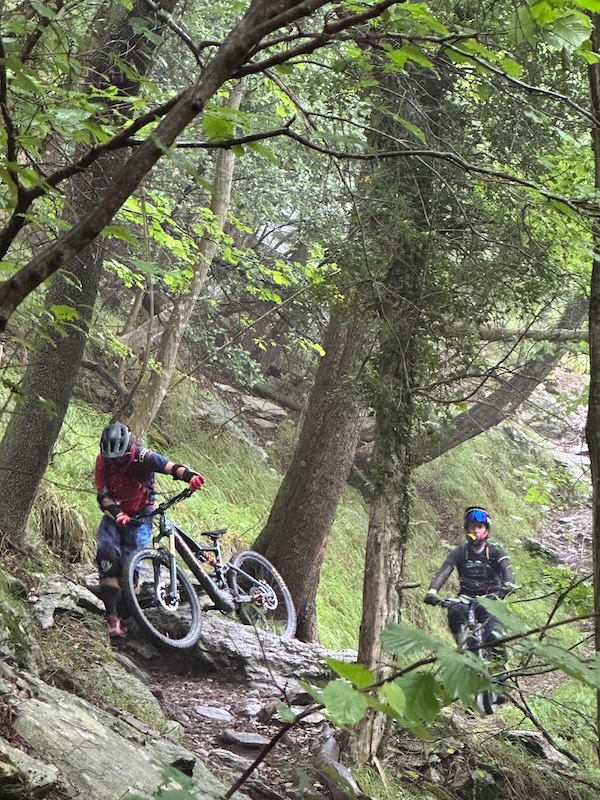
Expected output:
(181, 543)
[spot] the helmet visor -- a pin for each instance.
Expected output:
(478, 516)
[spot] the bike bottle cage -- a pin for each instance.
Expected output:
(214, 534)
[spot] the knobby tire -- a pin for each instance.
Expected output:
(282, 620)
(485, 699)
(174, 623)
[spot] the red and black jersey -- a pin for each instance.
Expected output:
(130, 484)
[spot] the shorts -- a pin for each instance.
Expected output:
(122, 541)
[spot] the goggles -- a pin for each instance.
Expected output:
(478, 515)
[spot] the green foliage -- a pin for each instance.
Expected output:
(175, 785)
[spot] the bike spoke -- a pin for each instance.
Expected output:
(171, 617)
(271, 608)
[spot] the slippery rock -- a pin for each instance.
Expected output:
(24, 776)
(242, 654)
(537, 746)
(58, 594)
(251, 741)
(98, 756)
(210, 712)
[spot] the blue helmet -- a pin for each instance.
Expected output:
(479, 516)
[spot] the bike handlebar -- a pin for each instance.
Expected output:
(467, 599)
(164, 506)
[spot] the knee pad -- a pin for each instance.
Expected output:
(109, 563)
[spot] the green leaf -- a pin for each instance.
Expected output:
(265, 152)
(357, 674)
(120, 232)
(217, 126)
(414, 129)
(569, 31)
(463, 675)
(285, 713)
(401, 640)
(394, 695)
(147, 267)
(511, 67)
(399, 57)
(42, 9)
(525, 28)
(344, 703)
(508, 620)
(421, 691)
(64, 313)
(589, 5)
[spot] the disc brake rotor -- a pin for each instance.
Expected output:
(264, 596)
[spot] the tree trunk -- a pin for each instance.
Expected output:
(389, 518)
(150, 400)
(50, 376)
(297, 531)
(399, 237)
(593, 421)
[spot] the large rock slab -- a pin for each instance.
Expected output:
(240, 653)
(99, 756)
(24, 776)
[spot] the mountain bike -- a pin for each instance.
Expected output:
(471, 637)
(164, 601)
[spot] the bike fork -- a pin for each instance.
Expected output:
(172, 566)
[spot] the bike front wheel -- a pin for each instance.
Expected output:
(271, 607)
(485, 702)
(170, 617)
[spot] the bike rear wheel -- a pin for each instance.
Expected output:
(172, 619)
(272, 608)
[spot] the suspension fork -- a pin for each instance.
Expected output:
(172, 563)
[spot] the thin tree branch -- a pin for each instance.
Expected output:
(177, 30)
(34, 37)
(527, 87)
(319, 40)
(27, 196)
(584, 207)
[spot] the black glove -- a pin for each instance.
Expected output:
(431, 599)
(506, 589)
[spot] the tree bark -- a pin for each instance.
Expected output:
(593, 421)
(297, 531)
(150, 400)
(50, 376)
(399, 237)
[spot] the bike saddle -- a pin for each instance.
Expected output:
(215, 534)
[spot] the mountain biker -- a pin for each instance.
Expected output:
(483, 569)
(124, 480)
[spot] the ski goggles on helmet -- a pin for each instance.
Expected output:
(477, 515)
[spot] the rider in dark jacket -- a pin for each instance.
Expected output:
(483, 569)
(124, 480)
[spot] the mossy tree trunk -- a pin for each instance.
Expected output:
(398, 238)
(54, 361)
(297, 531)
(593, 421)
